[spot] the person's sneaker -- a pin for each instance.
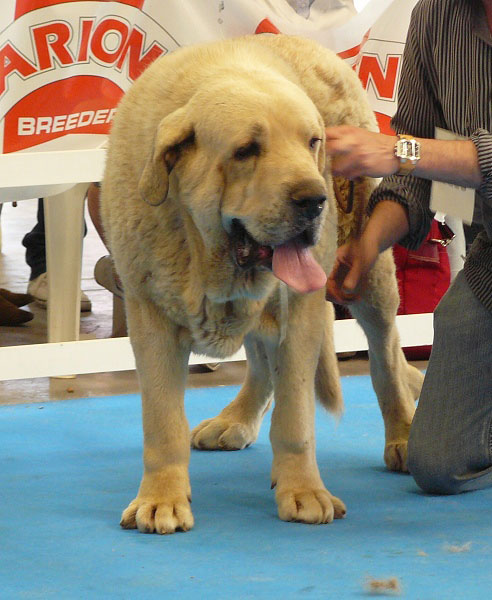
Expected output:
(38, 288)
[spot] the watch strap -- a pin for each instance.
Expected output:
(408, 153)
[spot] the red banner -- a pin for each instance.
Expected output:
(64, 64)
(24, 6)
(82, 104)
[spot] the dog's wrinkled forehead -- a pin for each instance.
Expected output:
(253, 110)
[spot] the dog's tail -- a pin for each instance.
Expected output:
(327, 384)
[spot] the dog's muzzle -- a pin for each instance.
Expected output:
(309, 207)
(246, 251)
(292, 261)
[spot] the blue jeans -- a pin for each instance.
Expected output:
(35, 244)
(450, 445)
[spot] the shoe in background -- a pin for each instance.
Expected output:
(10, 313)
(38, 289)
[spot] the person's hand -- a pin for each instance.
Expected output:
(357, 152)
(348, 277)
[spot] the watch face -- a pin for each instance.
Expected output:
(408, 150)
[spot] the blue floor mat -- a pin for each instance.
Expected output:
(69, 468)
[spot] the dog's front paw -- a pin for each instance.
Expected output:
(162, 504)
(395, 456)
(223, 434)
(158, 514)
(309, 506)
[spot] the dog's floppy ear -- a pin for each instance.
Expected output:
(173, 133)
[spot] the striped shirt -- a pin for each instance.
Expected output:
(446, 81)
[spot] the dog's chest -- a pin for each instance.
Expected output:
(219, 329)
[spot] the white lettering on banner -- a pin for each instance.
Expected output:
(59, 123)
(43, 125)
(72, 121)
(111, 43)
(100, 117)
(26, 126)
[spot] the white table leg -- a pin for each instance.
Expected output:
(64, 221)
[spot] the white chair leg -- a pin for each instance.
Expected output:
(64, 221)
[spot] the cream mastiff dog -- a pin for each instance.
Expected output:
(222, 218)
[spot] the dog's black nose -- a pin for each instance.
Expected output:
(310, 206)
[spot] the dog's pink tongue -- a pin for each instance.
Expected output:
(297, 267)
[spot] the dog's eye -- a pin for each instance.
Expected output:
(313, 141)
(244, 152)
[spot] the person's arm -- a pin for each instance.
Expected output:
(387, 224)
(483, 144)
(399, 207)
(356, 152)
(419, 112)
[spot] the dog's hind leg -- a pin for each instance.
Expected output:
(237, 426)
(396, 383)
(327, 382)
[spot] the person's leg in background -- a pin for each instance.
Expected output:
(104, 271)
(35, 244)
(94, 208)
(10, 303)
(450, 445)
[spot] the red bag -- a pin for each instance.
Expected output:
(423, 278)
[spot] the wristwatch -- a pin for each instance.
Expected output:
(407, 150)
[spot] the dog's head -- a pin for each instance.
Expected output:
(247, 157)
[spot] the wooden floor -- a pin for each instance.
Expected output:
(14, 275)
